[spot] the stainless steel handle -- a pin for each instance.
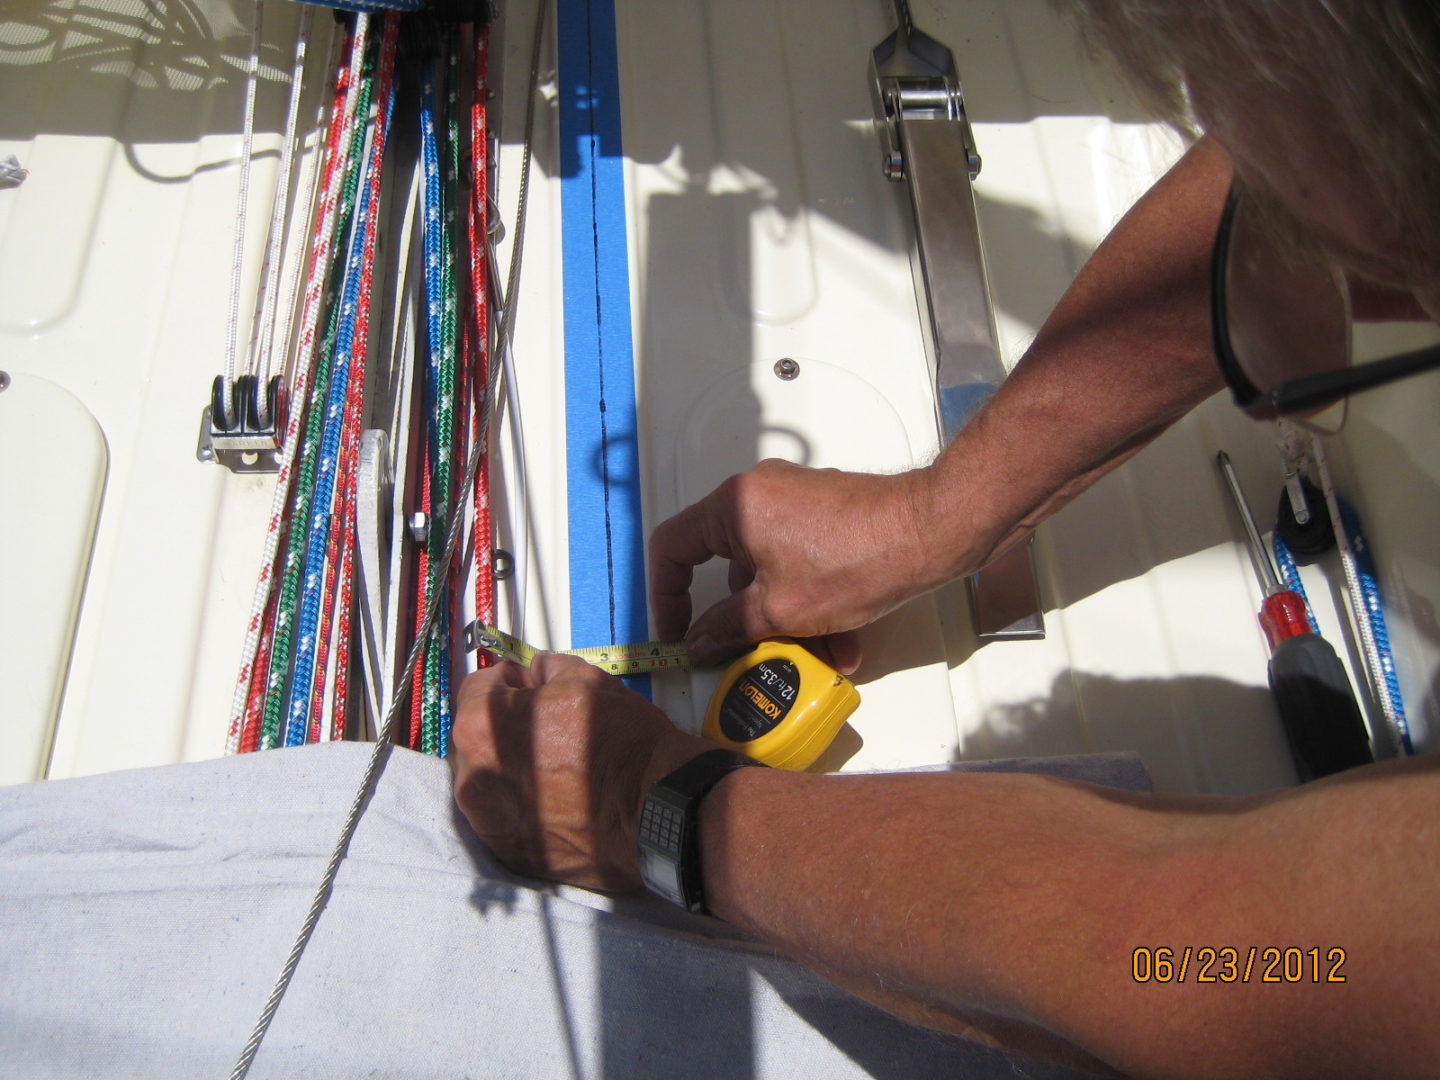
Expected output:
(926, 142)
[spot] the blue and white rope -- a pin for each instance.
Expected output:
(318, 534)
(438, 223)
(1290, 575)
(1374, 606)
(1366, 603)
(434, 299)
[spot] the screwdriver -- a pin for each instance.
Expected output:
(1317, 708)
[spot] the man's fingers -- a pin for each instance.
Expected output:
(727, 629)
(841, 650)
(549, 667)
(484, 682)
(740, 575)
(695, 535)
(669, 594)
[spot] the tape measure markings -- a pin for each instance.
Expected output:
(632, 659)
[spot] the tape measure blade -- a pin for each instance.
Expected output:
(637, 658)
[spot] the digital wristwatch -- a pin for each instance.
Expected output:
(669, 827)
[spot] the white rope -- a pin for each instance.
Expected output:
(242, 198)
(306, 202)
(262, 344)
(457, 529)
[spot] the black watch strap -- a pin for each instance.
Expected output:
(669, 827)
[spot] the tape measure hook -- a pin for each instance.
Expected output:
(477, 637)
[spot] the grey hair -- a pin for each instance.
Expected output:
(1377, 61)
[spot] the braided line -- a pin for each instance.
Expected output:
(315, 699)
(348, 345)
(343, 631)
(249, 737)
(436, 731)
(242, 200)
(1372, 601)
(309, 448)
(479, 221)
(262, 344)
(1359, 604)
(422, 575)
(353, 422)
(380, 754)
(249, 689)
(441, 321)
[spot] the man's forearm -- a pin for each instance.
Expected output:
(950, 895)
(1125, 353)
(1023, 898)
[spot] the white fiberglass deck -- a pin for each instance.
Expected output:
(760, 227)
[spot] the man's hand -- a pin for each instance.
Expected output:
(812, 552)
(552, 762)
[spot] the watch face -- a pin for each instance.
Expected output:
(669, 849)
(662, 875)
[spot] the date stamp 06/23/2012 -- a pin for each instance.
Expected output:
(1228, 964)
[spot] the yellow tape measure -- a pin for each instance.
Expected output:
(779, 703)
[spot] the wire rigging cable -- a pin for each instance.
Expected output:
(486, 407)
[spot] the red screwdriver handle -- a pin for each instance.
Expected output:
(1282, 617)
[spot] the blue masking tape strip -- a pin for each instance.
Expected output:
(607, 552)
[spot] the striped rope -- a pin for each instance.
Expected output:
(479, 229)
(449, 441)
(1290, 575)
(349, 363)
(344, 627)
(309, 449)
(299, 638)
(1373, 603)
(380, 753)
(464, 367)
(249, 690)
(353, 421)
(1366, 606)
(440, 338)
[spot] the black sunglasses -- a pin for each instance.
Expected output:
(1332, 377)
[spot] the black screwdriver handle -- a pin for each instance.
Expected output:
(1317, 707)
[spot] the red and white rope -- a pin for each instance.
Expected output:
(353, 420)
(248, 700)
(479, 224)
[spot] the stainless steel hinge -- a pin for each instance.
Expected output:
(913, 77)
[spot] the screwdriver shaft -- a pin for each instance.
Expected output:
(1259, 557)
